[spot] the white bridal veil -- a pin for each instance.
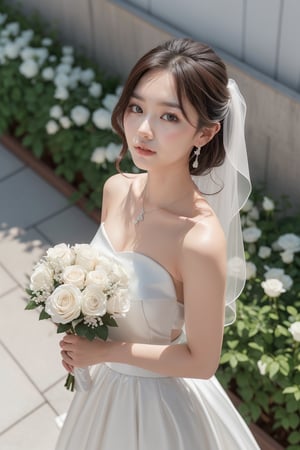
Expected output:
(232, 183)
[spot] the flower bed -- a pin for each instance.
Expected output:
(261, 353)
(58, 106)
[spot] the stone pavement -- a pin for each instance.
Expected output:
(33, 216)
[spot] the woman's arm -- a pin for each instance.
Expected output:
(203, 273)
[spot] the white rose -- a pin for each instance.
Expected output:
(41, 54)
(27, 53)
(112, 152)
(95, 89)
(286, 280)
(253, 213)
(251, 234)
(74, 275)
(52, 58)
(64, 304)
(289, 241)
(86, 256)
(67, 50)
(98, 156)
(11, 50)
(61, 255)
(80, 115)
(27, 35)
(47, 42)
(236, 267)
(65, 122)
(272, 287)
(250, 270)
(247, 206)
(13, 28)
(61, 93)
(98, 277)
(262, 367)
(119, 90)
(61, 80)
(56, 112)
(41, 278)
(268, 204)
(295, 330)
(52, 127)
(118, 275)
(110, 101)
(48, 73)
(67, 59)
(264, 252)
(93, 301)
(3, 18)
(287, 256)
(119, 302)
(63, 68)
(101, 119)
(87, 76)
(104, 263)
(29, 68)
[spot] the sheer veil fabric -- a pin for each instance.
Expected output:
(227, 189)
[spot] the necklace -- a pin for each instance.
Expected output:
(141, 214)
(140, 217)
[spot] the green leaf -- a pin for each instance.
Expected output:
(102, 332)
(294, 437)
(290, 390)
(292, 405)
(109, 320)
(233, 361)
(31, 305)
(292, 311)
(256, 346)
(273, 368)
(44, 315)
(63, 327)
(225, 358)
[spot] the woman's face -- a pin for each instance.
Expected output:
(156, 130)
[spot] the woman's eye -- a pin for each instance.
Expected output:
(135, 108)
(170, 117)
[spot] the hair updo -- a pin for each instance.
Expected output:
(200, 77)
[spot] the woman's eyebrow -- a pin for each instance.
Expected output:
(170, 104)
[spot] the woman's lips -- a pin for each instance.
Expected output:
(144, 151)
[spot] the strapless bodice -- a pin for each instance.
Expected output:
(154, 310)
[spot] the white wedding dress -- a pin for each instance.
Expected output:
(128, 408)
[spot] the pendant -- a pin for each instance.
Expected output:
(139, 217)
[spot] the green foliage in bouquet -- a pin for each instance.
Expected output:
(58, 104)
(261, 353)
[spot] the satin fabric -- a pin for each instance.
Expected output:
(129, 408)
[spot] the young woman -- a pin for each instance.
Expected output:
(173, 227)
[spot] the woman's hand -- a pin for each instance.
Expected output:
(80, 352)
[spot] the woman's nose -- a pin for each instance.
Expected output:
(145, 129)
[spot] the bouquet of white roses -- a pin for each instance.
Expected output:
(81, 291)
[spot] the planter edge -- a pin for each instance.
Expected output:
(264, 440)
(13, 145)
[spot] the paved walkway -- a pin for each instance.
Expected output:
(33, 216)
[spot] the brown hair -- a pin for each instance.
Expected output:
(200, 77)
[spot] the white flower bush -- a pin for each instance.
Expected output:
(260, 359)
(58, 105)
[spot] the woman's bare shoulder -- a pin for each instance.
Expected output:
(204, 235)
(119, 181)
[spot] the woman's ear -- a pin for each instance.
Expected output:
(206, 134)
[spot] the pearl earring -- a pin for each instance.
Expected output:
(196, 154)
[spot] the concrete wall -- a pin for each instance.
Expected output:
(115, 38)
